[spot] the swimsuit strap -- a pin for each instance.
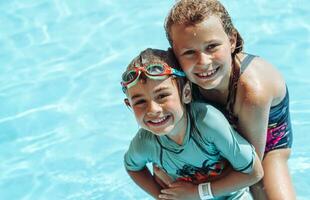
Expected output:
(246, 61)
(232, 87)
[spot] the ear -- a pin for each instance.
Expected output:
(187, 93)
(233, 41)
(127, 103)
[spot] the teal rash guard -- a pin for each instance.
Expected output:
(208, 144)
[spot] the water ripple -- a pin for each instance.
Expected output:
(29, 112)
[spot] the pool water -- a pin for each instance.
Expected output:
(63, 125)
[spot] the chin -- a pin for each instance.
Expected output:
(155, 131)
(214, 84)
(165, 131)
(209, 85)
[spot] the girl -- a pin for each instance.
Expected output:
(247, 89)
(192, 142)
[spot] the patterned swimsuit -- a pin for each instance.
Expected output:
(279, 132)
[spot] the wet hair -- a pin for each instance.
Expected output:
(191, 12)
(150, 56)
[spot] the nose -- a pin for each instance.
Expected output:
(203, 59)
(153, 109)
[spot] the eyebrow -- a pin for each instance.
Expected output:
(161, 89)
(136, 96)
(204, 43)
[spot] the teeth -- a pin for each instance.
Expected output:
(208, 73)
(158, 120)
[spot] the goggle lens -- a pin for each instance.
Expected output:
(129, 76)
(155, 70)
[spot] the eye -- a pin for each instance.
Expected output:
(211, 47)
(188, 52)
(139, 102)
(163, 96)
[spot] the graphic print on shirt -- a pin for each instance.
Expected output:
(200, 174)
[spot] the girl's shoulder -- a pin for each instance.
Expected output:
(260, 83)
(259, 71)
(257, 68)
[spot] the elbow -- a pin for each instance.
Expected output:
(258, 172)
(258, 175)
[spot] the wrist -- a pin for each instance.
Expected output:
(204, 190)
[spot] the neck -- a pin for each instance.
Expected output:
(179, 134)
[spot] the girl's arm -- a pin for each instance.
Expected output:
(258, 87)
(253, 119)
(237, 180)
(233, 181)
(145, 180)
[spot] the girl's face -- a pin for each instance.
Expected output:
(157, 106)
(204, 52)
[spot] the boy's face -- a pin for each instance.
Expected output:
(157, 106)
(204, 52)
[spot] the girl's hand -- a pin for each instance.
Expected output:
(180, 190)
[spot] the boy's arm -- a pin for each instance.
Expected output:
(141, 151)
(146, 181)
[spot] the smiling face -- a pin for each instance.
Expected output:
(204, 52)
(157, 106)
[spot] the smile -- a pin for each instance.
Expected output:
(207, 74)
(160, 121)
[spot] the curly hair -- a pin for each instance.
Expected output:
(191, 12)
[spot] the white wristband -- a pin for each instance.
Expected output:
(204, 190)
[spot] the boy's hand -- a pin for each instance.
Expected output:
(161, 177)
(180, 190)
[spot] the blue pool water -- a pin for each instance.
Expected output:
(63, 126)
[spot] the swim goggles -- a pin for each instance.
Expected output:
(152, 71)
